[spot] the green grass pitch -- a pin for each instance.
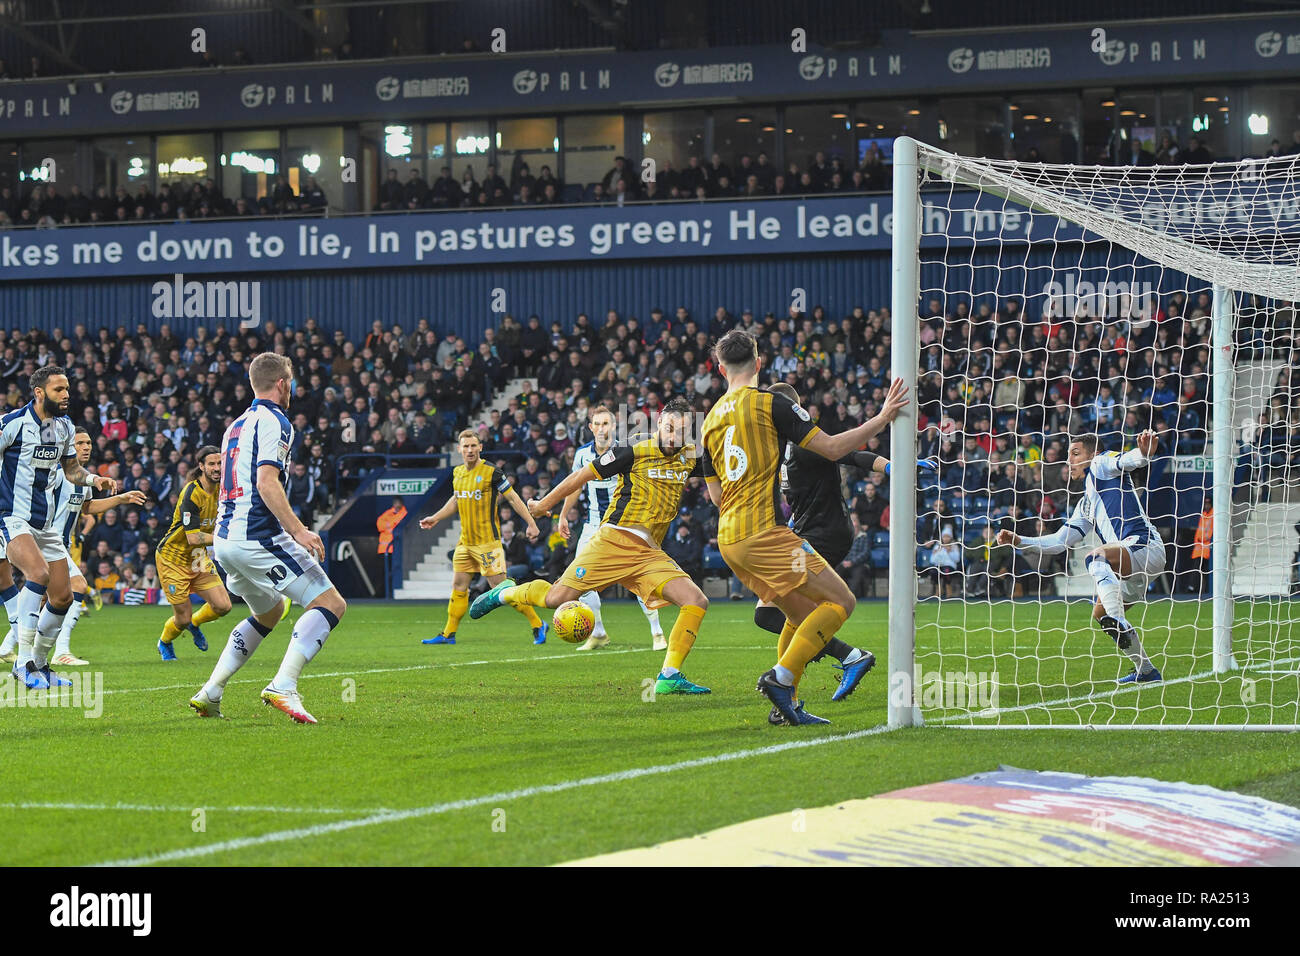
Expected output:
(498, 752)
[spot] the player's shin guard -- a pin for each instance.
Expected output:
(309, 636)
(770, 618)
(682, 639)
(64, 643)
(47, 632)
(29, 612)
(456, 609)
(530, 595)
(1109, 590)
(592, 600)
(204, 615)
(244, 640)
(809, 638)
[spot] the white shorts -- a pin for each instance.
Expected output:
(49, 540)
(1146, 561)
(265, 574)
(588, 532)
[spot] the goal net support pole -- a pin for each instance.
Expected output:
(904, 359)
(1224, 378)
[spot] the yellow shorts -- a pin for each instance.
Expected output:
(615, 556)
(486, 559)
(772, 563)
(178, 580)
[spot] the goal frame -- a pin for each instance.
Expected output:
(903, 708)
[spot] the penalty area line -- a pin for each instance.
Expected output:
(415, 813)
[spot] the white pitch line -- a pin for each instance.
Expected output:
(146, 808)
(436, 666)
(394, 816)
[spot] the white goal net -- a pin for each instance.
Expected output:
(1053, 302)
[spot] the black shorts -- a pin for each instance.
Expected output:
(833, 548)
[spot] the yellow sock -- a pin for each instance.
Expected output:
(456, 609)
(811, 636)
(533, 620)
(530, 595)
(682, 637)
(170, 631)
(205, 614)
(783, 642)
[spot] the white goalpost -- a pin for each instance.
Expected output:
(1036, 303)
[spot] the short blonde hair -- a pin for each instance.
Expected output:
(469, 433)
(267, 369)
(598, 410)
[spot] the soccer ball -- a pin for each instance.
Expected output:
(573, 622)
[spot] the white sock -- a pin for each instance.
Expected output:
(784, 675)
(244, 640)
(852, 657)
(656, 629)
(11, 611)
(29, 612)
(309, 636)
(47, 632)
(1131, 644)
(1109, 590)
(669, 671)
(592, 600)
(63, 644)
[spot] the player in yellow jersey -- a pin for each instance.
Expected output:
(626, 550)
(476, 489)
(744, 438)
(182, 557)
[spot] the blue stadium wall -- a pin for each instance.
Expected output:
(459, 299)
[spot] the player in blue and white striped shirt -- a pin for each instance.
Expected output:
(597, 494)
(267, 552)
(1131, 548)
(36, 444)
(71, 504)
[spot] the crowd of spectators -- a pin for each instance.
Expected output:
(43, 206)
(747, 177)
(999, 390)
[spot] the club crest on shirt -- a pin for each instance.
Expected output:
(579, 573)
